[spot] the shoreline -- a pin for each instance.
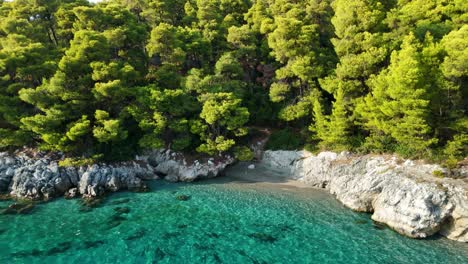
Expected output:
(404, 195)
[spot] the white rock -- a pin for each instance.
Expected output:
(406, 196)
(251, 167)
(180, 170)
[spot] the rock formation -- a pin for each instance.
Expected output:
(38, 176)
(405, 195)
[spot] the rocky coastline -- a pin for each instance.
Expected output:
(413, 198)
(38, 176)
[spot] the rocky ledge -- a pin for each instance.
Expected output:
(413, 198)
(37, 175)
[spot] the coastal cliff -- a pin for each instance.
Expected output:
(405, 195)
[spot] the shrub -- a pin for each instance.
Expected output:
(456, 149)
(438, 174)
(78, 162)
(243, 153)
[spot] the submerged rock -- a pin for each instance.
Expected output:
(92, 244)
(60, 248)
(360, 222)
(91, 202)
(378, 225)
(122, 210)
(19, 208)
(183, 197)
(137, 235)
(404, 195)
(263, 237)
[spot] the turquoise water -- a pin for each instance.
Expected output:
(221, 222)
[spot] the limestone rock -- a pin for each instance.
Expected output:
(401, 194)
(417, 210)
(38, 175)
(72, 193)
(456, 226)
(174, 167)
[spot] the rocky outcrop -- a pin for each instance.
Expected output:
(174, 167)
(38, 175)
(405, 195)
(98, 179)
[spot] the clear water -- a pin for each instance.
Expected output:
(222, 222)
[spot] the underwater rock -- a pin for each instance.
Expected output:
(360, 221)
(263, 237)
(28, 253)
(217, 258)
(60, 248)
(137, 235)
(122, 210)
(92, 244)
(159, 254)
(183, 197)
(213, 235)
(113, 224)
(117, 218)
(378, 225)
(170, 235)
(19, 208)
(91, 202)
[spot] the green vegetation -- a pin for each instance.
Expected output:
(285, 139)
(103, 81)
(438, 174)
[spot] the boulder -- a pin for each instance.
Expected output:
(40, 177)
(72, 193)
(174, 167)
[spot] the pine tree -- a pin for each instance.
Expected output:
(398, 105)
(222, 120)
(338, 136)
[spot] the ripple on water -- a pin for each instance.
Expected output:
(211, 222)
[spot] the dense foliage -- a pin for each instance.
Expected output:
(108, 79)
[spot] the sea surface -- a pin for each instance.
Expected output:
(218, 221)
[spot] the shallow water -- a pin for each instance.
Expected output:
(223, 221)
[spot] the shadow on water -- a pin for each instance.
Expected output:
(58, 249)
